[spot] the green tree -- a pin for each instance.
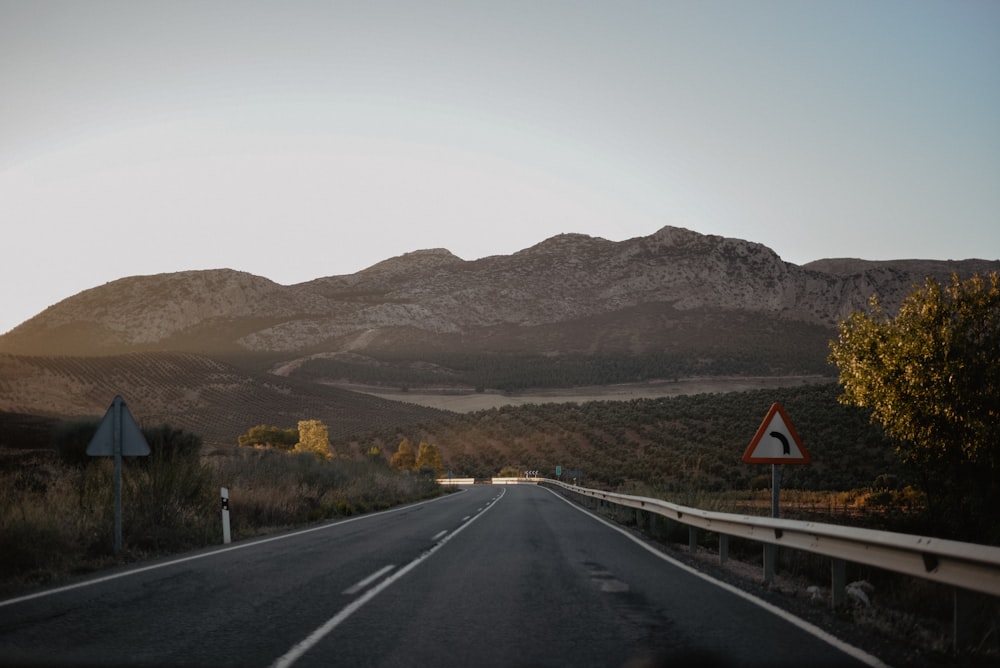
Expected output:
(404, 459)
(931, 378)
(314, 438)
(429, 457)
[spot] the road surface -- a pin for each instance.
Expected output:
(510, 576)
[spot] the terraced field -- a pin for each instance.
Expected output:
(193, 392)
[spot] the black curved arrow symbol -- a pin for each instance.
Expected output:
(784, 442)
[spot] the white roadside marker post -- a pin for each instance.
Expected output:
(226, 538)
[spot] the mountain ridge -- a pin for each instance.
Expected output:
(568, 294)
(217, 351)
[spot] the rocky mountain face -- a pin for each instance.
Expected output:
(673, 290)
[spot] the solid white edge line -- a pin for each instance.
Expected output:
(808, 627)
(358, 586)
(213, 553)
(296, 652)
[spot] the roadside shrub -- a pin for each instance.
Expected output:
(270, 489)
(71, 440)
(41, 524)
(57, 511)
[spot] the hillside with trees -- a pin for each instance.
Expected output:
(216, 400)
(676, 444)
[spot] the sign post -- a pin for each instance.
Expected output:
(782, 445)
(118, 435)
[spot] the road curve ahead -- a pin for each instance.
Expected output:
(491, 576)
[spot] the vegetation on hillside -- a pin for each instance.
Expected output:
(708, 349)
(216, 400)
(674, 444)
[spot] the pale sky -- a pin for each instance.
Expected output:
(295, 140)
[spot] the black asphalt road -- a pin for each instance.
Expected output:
(490, 576)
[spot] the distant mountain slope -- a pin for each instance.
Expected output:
(192, 392)
(714, 304)
(940, 269)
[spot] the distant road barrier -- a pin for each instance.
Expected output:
(456, 481)
(512, 481)
(491, 481)
(964, 566)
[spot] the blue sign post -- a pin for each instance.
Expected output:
(118, 435)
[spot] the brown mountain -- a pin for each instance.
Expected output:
(572, 310)
(542, 294)
(569, 294)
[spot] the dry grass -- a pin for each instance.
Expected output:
(58, 520)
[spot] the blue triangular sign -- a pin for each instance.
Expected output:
(133, 443)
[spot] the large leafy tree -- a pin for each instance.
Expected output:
(931, 378)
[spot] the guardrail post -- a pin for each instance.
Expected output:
(638, 519)
(692, 539)
(723, 548)
(961, 620)
(770, 557)
(838, 582)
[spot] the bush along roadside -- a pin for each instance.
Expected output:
(57, 506)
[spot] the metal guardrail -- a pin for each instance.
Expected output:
(966, 565)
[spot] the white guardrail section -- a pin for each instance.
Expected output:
(964, 565)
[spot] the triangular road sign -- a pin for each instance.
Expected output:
(776, 441)
(132, 441)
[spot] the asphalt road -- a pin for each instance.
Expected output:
(491, 576)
